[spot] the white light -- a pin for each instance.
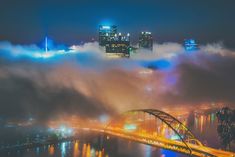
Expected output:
(106, 27)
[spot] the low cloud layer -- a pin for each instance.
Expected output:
(81, 81)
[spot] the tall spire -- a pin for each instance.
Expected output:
(46, 45)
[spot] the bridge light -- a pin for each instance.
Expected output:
(175, 137)
(130, 127)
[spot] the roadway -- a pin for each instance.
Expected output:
(161, 142)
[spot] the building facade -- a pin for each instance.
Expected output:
(190, 45)
(106, 33)
(118, 46)
(146, 40)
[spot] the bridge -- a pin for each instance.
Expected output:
(159, 129)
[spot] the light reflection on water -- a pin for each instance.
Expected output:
(205, 129)
(202, 127)
(203, 122)
(77, 149)
(37, 151)
(148, 151)
(63, 149)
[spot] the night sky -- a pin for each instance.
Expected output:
(72, 21)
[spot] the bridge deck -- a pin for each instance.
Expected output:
(200, 151)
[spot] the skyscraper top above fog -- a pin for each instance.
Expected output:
(106, 33)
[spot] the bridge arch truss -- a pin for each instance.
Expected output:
(184, 134)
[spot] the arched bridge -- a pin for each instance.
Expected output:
(159, 129)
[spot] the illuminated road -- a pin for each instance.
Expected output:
(201, 151)
(186, 144)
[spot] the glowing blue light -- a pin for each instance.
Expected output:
(192, 41)
(190, 45)
(46, 44)
(106, 27)
(45, 50)
(168, 153)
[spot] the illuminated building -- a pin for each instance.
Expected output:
(146, 40)
(106, 33)
(190, 45)
(118, 46)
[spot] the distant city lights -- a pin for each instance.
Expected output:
(62, 131)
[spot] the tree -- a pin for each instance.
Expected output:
(226, 126)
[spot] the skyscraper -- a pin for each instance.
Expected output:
(106, 33)
(118, 46)
(146, 40)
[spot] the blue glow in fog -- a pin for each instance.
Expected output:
(168, 153)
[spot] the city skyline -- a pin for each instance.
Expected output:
(127, 78)
(70, 23)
